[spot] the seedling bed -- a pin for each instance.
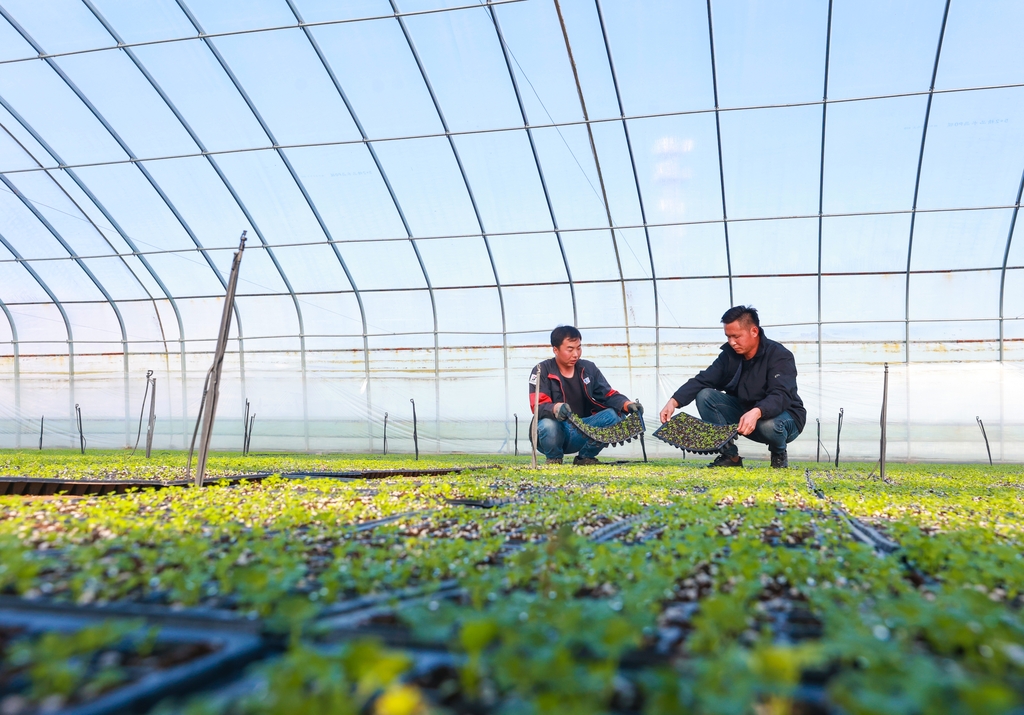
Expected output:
(35, 486)
(660, 588)
(694, 435)
(74, 664)
(626, 430)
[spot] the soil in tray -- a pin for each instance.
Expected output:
(47, 672)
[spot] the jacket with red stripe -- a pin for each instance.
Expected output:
(595, 388)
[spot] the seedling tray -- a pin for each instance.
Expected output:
(625, 431)
(36, 486)
(693, 435)
(226, 653)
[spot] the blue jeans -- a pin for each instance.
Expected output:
(719, 408)
(556, 439)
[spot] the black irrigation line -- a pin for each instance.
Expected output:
(859, 530)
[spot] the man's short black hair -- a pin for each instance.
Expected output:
(746, 314)
(562, 333)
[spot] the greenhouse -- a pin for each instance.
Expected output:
(369, 356)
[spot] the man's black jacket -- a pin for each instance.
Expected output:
(595, 387)
(766, 381)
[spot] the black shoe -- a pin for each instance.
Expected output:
(552, 460)
(579, 461)
(723, 461)
(780, 460)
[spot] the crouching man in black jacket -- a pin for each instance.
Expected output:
(753, 383)
(571, 385)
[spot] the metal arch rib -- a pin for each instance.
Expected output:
(124, 236)
(600, 181)
(63, 314)
(231, 190)
(721, 164)
(124, 262)
(85, 268)
(145, 172)
(17, 372)
(312, 207)
(469, 191)
(640, 200)
(821, 174)
(536, 160)
(398, 208)
(917, 183)
(1006, 257)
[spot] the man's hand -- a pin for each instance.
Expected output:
(562, 411)
(630, 407)
(749, 421)
(668, 410)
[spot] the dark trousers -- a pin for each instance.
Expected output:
(719, 408)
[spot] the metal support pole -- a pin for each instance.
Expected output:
(884, 421)
(210, 407)
(817, 454)
(535, 427)
(643, 447)
(245, 428)
(152, 418)
(983, 434)
(515, 444)
(41, 420)
(839, 430)
(415, 431)
(385, 433)
(248, 432)
(81, 434)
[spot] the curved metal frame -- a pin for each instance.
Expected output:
(227, 184)
(257, 30)
(124, 236)
(17, 372)
(103, 236)
(152, 182)
(63, 315)
(469, 191)
(95, 281)
(640, 200)
(721, 164)
(821, 175)
(1006, 257)
(401, 215)
(604, 191)
(917, 183)
(312, 207)
(536, 160)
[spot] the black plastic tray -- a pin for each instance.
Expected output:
(235, 649)
(729, 433)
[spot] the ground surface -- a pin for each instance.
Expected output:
(657, 588)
